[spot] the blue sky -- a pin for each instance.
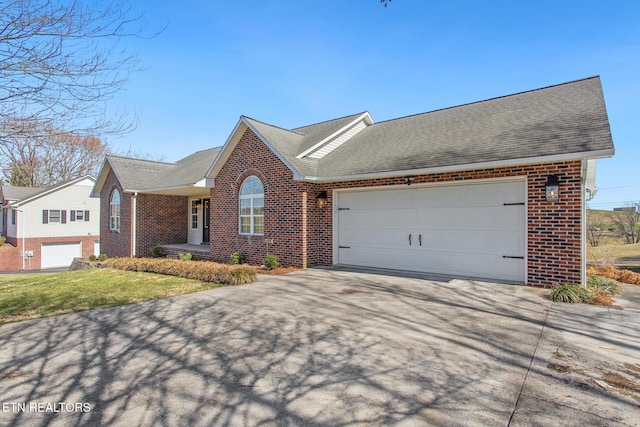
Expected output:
(293, 63)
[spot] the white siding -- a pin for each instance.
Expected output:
(338, 141)
(75, 197)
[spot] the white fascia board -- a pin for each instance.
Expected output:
(223, 152)
(54, 189)
(296, 174)
(364, 116)
(97, 187)
(453, 168)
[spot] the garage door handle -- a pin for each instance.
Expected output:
(420, 239)
(512, 257)
(409, 239)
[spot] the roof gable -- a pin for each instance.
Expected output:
(22, 195)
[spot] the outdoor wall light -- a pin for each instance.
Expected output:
(551, 188)
(409, 179)
(198, 203)
(321, 199)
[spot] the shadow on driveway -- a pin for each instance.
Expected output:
(323, 347)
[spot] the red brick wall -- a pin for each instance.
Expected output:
(115, 243)
(301, 234)
(161, 220)
(10, 258)
(285, 203)
(553, 228)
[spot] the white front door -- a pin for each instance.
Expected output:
(475, 230)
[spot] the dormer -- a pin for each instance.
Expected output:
(339, 137)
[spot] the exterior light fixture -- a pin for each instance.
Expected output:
(551, 188)
(198, 203)
(321, 199)
(409, 179)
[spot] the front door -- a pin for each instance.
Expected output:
(205, 221)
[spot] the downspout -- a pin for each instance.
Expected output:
(23, 240)
(583, 223)
(134, 228)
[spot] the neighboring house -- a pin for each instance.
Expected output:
(493, 189)
(50, 226)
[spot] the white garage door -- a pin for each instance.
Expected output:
(475, 230)
(60, 254)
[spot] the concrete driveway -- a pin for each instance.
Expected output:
(335, 348)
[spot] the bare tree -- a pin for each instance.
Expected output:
(52, 157)
(594, 230)
(627, 222)
(60, 61)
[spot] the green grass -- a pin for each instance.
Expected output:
(30, 296)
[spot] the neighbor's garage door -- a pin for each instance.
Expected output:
(60, 254)
(475, 230)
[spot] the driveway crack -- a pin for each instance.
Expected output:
(533, 356)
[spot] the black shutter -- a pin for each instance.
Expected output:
(73, 216)
(86, 215)
(64, 217)
(45, 216)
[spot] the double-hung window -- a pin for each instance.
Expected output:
(114, 210)
(251, 206)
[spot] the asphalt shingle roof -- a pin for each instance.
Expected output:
(140, 175)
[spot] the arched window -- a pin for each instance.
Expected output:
(252, 206)
(114, 210)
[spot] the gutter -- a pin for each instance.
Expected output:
(134, 229)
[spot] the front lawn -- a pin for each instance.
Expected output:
(29, 296)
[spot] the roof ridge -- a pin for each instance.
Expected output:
(273, 126)
(488, 99)
(331, 120)
(141, 160)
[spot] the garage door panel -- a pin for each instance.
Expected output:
(55, 255)
(465, 229)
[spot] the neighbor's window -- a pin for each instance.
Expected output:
(194, 213)
(54, 215)
(13, 217)
(114, 210)
(252, 206)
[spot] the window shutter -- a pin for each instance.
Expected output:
(73, 216)
(64, 217)
(86, 215)
(45, 216)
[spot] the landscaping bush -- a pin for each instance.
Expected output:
(102, 257)
(604, 284)
(157, 251)
(203, 270)
(570, 293)
(92, 257)
(271, 262)
(237, 258)
(185, 256)
(3, 240)
(624, 276)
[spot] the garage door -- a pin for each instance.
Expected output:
(475, 230)
(60, 254)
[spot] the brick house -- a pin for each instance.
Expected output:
(494, 189)
(49, 226)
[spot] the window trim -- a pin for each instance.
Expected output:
(194, 214)
(115, 210)
(252, 215)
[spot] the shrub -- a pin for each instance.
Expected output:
(102, 257)
(3, 240)
(157, 251)
(92, 257)
(601, 298)
(185, 256)
(624, 276)
(237, 258)
(570, 293)
(604, 284)
(204, 270)
(271, 262)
